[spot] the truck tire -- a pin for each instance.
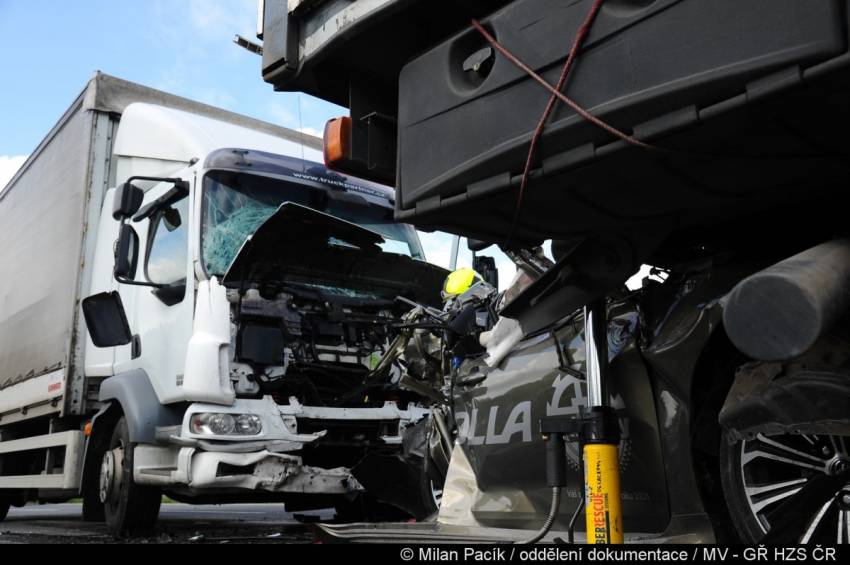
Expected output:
(129, 508)
(5, 504)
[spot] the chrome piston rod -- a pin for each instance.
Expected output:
(596, 352)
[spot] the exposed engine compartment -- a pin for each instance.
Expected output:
(309, 322)
(316, 344)
(324, 328)
(333, 361)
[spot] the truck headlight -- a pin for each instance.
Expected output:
(207, 423)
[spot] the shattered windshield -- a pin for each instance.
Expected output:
(236, 204)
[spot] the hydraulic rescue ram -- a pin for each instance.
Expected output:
(598, 433)
(601, 437)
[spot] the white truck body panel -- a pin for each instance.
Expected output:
(32, 392)
(43, 239)
(50, 214)
(155, 132)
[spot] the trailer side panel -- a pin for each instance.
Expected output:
(42, 227)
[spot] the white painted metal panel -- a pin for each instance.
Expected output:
(31, 392)
(42, 224)
(164, 134)
(69, 479)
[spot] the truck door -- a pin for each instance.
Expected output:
(161, 318)
(100, 361)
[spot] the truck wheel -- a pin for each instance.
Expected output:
(760, 477)
(129, 508)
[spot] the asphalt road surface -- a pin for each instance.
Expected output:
(178, 523)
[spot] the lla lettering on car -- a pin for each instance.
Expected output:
(478, 427)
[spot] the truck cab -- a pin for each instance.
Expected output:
(259, 292)
(235, 300)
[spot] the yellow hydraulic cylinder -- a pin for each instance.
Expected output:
(603, 510)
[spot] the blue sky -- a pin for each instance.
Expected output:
(50, 48)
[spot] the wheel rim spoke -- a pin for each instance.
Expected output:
(842, 535)
(813, 525)
(770, 487)
(786, 454)
(846, 515)
(836, 447)
(751, 455)
(436, 494)
(786, 489)
(775, 468)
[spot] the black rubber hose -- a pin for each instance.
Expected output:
(550, 519)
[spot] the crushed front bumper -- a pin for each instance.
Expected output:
(267, 462)
(194, 470)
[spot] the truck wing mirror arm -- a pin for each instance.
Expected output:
(129, 197)
(180, 190)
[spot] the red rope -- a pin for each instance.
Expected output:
(581, 34)
(556, 95)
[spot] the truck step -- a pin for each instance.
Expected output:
(69, 479)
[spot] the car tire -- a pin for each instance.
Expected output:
(761, 473)
(129, 508)
(734, 492)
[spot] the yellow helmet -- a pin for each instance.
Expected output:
(459, 281)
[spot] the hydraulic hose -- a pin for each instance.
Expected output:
(550, 519)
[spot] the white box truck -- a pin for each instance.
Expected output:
(191, 304)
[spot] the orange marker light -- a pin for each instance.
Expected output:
(87, 429)
(337, 141)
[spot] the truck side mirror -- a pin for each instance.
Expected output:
(486, 267)
(126, 254)
(107, 320)
(477, 245)
(128, 200)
